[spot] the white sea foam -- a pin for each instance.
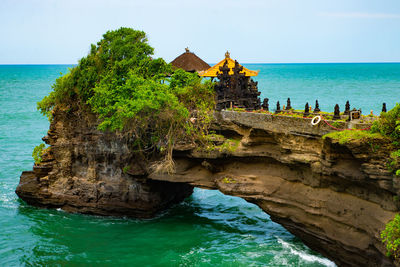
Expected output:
(305, 256)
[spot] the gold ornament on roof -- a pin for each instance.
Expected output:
(230, 63)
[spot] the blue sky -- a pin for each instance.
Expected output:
(254, 31)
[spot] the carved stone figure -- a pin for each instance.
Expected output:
(316, 110)
(336, 114)
(278, 107)
(265, 104)
(306, 110)
(347, 108)
(288, 104)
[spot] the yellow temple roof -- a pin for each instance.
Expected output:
(212, 72)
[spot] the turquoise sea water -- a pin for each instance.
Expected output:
(208, 229)
(365, 85)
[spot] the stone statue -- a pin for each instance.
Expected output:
(306, 110)
(336, 114)
(316, 110)
(278, 107)
(288, 106)
(265, 104)
(347, 108)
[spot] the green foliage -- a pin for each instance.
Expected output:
(386, 127)
(391, 237)
(394, 164)
(350, 135)
(374, 147)
(126, 169)
(181, 78)
(37, 153)
(230, 145)
(239, 109)
(389, 123)
(336, 124)
(225, 146)
(122, 105)
(130, 92)
(116, 55)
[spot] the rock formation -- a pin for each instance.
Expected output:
(89, 171)
(336, 198)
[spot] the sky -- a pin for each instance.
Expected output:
(254, 31)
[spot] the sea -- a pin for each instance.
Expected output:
(208, 228)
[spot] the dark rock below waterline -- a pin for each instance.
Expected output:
(139, 199)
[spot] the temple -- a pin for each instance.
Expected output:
(235, 88)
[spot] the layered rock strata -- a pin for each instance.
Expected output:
(336, 198)
(89, 171)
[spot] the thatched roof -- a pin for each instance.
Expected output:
(190, 62)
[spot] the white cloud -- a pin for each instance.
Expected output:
(360, 15)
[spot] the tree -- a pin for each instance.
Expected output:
(130, 92)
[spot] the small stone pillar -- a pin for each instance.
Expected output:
(265, 104)
(306, 110)
(336, 114)
(278, 107)
(347, 108)
(384, 107)
(288, 104)
(316, 110)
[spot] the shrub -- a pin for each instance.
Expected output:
(391, 237)
(37, 153)
(389, 123)
(394, 164)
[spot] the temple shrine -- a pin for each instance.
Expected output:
(234, 88)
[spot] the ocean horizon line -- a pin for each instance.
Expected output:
(251, 63)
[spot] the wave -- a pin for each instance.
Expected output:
(303, 255)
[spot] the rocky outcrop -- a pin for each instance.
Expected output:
(336, 198)
(88, 171)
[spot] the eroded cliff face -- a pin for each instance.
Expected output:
(336, 198)
(87, 171)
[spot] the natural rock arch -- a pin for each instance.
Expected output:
(336, 198)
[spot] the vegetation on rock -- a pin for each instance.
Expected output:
(386, 127)
(130, 92)
(394, 164)
(37, 153)
(347, 136)
(389, 124)
(391, 238)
